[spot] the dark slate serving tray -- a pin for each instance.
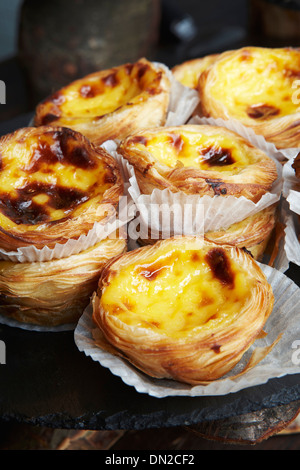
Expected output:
(46, 381)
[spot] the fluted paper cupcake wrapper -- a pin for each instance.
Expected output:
(183, 100)
(283, 359)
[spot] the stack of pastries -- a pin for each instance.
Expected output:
(207, 160)
(184, 308)
(55, 186)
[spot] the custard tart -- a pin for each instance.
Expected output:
(185, 308)
(110, 104)
(54, 293)
(188, 73)
(198, 159)
(54, 186)
(256, 86)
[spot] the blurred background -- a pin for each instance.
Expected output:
(45, 45)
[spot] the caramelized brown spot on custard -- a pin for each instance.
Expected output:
(58, 98)
(216, 156)
(176, 141)
(142, 69)
(219, 263)
(292, 73)
(216, 348)
(206, 301)
(111, 79)
(63, 148)
(22, 209)
(195, 257)
(48, 118)
(262, 111)
(86, 91)
(138, 139)
(151, 272)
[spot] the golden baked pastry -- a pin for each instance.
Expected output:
(255, 86)
(188, 72)
(53, 293)
(185, 308)
(110, 104)
(252, 233)
(54, 185)
(199, 159)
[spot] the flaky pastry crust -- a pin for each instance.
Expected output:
(258, 87)
(199, 159)
(54, 293)
(54, 186)
(185, 309)
(110, 104)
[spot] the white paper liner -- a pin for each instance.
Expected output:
(291, 187)
(281, 361)
(292, 245)
(183, 100)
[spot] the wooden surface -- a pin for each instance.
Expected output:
(27, 437)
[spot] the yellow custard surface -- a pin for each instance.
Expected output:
(257, 83)
(179, 291)
(192, 149)
(44, 177)
(102, 93)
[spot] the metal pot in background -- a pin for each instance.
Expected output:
(61, 40)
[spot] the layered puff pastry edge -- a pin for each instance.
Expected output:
(110, 104)
(198, 159)
(256, 86)
(54, 186)
(184, 309)
(54, 293)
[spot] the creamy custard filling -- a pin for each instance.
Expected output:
(194, 149)
(95, 96)
(179, 291)
(45, 177)
(257, 84)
